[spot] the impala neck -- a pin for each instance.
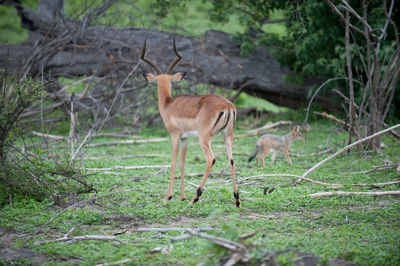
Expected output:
(164, 94)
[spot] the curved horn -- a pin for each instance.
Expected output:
(147, 60)
(173, 64)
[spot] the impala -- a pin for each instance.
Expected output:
(186, 116)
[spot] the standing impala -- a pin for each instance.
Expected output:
(185, 116)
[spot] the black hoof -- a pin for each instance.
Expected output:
(238, 204)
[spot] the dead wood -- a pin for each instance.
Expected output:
(343, 150)
(332, 185)
(41, 110)
(398, 166)
(333, 118)
(71, 240)
(226, 243)
(116, 135)
(287, 175)
(169, 229)
(126, 156)
(132, 167)
(130, 141)
(348, 193)
(56, 137)
(377, 168)
(377, 184)
(75, 205)
(265, 128)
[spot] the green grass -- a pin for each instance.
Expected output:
(361, 229)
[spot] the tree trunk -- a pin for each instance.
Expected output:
(63, 47)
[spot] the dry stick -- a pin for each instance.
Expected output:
(377, 168)
(332, 117)
(73, 206)
(315, 94)
(256, 131)
(44, 109)
(130, 141)
(226, 243)
(343, 150)
(126, 156)
(288, 175)
(133, 167)
(377, 184)
(353, 127)
(169, 229)
(115, 135)
(398, 167)
(104, 134)
(333, 186)
(347, 193)
(40, 134)
(71, 240)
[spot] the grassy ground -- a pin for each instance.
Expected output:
(363, 230)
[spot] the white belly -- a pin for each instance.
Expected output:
(189, 134)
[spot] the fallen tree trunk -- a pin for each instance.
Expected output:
(65, 47)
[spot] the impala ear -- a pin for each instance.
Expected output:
(178, 76)
(150, 77)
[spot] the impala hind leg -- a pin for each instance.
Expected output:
(206, 147)
(175, 151)
(184, 146)
(228, 139)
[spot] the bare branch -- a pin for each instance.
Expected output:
(347, 193)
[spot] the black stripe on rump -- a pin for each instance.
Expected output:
(219, 117)
(227, 120)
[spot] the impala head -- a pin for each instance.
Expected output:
(160, 77)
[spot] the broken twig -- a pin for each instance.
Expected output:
(348, 193)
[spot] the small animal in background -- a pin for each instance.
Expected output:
(275, 143)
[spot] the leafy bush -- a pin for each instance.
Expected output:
(28, 169)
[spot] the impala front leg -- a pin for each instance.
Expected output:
(206, 147)
(175, 151)
(184, 147)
